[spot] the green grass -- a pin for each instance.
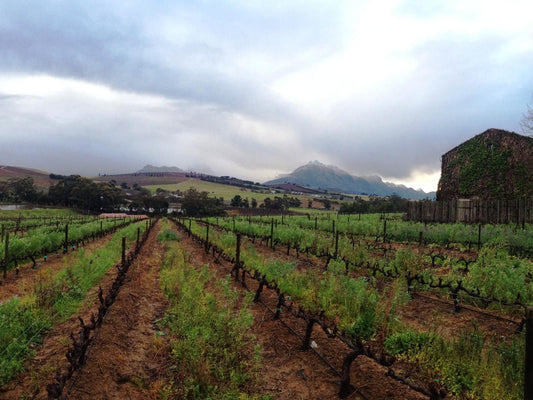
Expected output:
(218, 190)
(38, 213)
(24, 320)
(213, 353)
(214, 189)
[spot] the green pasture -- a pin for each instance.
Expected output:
(218, 190)
(38, 213)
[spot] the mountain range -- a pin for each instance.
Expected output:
(328, 177)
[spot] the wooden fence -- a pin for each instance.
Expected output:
(519, 211)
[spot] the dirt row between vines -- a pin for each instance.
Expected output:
(19, 284)
(425, 312)
(41, 369)
(129, 358)
(289, 373)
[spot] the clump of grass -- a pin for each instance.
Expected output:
(468, 365)
(213, 352)
(168, 235)
(24, 320)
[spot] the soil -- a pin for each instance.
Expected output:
(41, 369)
(290, 373)
(424, 312)
(129, 357)
(23, 282)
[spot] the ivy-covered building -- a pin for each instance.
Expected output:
(495, 164)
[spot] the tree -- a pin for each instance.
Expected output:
(198, 204)
(527, 121)
(236, 201)
(83, 193)
(156, 204)
(254, 202)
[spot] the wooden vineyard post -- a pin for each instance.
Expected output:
(138, 236)
(190, 222)
(384, 230)
(101, 228)
(420, 238)
(123, 251)
(479, 237)
(65, 247)
(528, 377)
(316, 223)
(333, 226)
(6, 255)
(238, 250)
(336, 245)
(237, 256)
(207, 239)
(3, 232)
(272, 233)
(233, 224)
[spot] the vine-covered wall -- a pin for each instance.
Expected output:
(495, 164)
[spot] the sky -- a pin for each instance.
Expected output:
(254, 89)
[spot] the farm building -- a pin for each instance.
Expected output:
(487, 179)
(495, 164)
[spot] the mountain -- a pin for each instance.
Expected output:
(320, 176)
(150, 169)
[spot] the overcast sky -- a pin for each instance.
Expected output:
(254, 89)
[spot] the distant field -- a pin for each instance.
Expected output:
(41, 179)
(37, 212)
(219, 190)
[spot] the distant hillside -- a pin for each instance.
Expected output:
(148, 169)
(40, 178)
(495, 164)
(319, 176)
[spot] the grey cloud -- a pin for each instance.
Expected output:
(215, 61)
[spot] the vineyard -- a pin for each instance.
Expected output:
(358, 280)
(321, 306)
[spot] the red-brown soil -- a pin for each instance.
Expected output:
(41, 369)
(23, 282)
(288, 372)
(425, 311)
(129, 360)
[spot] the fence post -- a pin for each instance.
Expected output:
(123, 251)
(336, 245)
(272, 233)
(6, 255)
(65, 247)
(384, 230)
(207, 239)
(479, 237)
(238, 251)
(528, 377)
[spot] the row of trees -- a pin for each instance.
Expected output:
(376, 204)
(84, 194)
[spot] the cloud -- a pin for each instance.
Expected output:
(254, 90)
